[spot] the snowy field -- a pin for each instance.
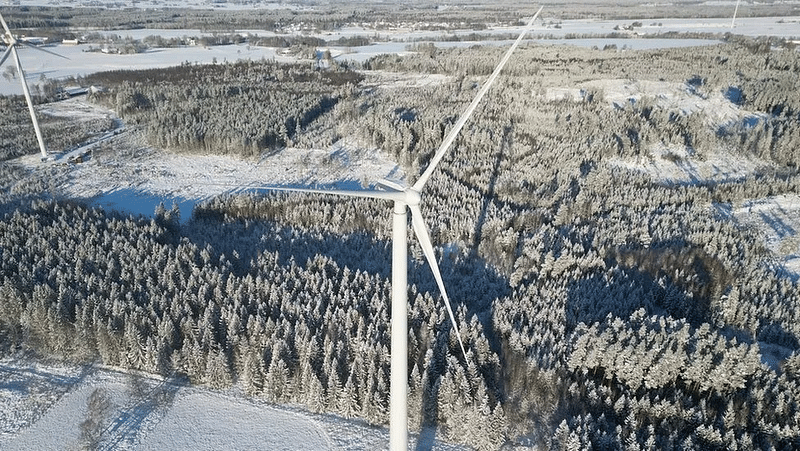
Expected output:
(135, 178)
(777, 219)
(46, 407)
(40, 66)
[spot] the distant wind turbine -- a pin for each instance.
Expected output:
(11, 43)
(408, 198)
(735, 10)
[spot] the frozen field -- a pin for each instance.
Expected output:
(46, 407)
(40, 66)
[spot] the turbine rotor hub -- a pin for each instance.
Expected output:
(412, 197)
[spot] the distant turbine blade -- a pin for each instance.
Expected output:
(421, 230)
(42, 50)
(448, 141)
(736, 10)
(5, 55)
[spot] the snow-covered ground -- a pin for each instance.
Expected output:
(46, 406)
(676, 164)
(777, 218)
(40, 66)
(683, 98)
(135, 178)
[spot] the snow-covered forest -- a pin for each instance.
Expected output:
(601, 305)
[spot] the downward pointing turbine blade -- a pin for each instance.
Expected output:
(5, 55)
(427, 248)
(448, 140)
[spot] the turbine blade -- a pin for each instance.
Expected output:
(5, 56)
(448, 140)
(390, 185)
(421, 230)
(26, 91)
(42, 50)
(371, 194)
(5, 26)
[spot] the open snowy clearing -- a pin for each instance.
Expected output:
(46, 407)
(777, 218)
(125, 174)
(676, 164)
(683, 98)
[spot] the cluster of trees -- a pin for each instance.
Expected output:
(135, 293)
(318, 18)
(242, 108)
(59, 22)
(16, 136)
(600, 307)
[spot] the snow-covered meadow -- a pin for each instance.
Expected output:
(46, 407)
(41, 66)
(135, 178)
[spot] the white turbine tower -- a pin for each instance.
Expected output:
(11, 43)
(408, 198)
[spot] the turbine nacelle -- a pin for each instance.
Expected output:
(412, 197)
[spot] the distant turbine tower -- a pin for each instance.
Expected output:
(406, 198)
(11, 42)
(735, 10)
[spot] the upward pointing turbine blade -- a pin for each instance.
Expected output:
(448, 140)
(5, 26)
(427, 248)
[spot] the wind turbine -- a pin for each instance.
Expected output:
(11, 50)
(735, 10)
(408, 198)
